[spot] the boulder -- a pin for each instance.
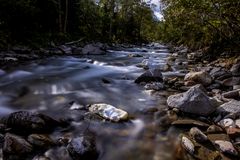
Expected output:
(94, 49)
(83, 148)
(109, 112)
(152, 75)
(235, 69)
(199, 78)
(194, 101)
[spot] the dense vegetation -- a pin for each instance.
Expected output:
(39, 21)
(210, 24)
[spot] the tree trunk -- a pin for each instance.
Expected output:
(66, 17)
(60, 16)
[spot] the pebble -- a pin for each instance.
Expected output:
(226, 147)
(198, 135)
(226, 123)
(214, 129)
(187, 145)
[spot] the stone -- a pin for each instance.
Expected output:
(59, 153)
(152, 75)
(214, 129)
(76, 106)
(218, 136)
(235, 94)
(226, 147)
(219, 74)
(109, 112)
(231, 107)
(190, 122)
(235, 70)
(198, 135)
(16, 145)
(65, 49)
(187, 145)
(94, 49)
(40, 140)
(230, 82)
(154, 86)
(226, 123)
(24, 121)
(233, 132)
(199, 78)
(83, 148)
(194, 101)
(237, 123)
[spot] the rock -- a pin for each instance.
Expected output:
(226, 123)
(232, 94)
(154, 86)
(83, 148)
(152, 75)
(198, 135)
(235, 70)
(194, 101)
(94, 49)
(237, 123)
(2, 72)
(226, 147)
(219, 74)
(65, 49)
(233, 132)
(219, 136)
(190, 123)
(214, 129)
(231, 107)
(24, 121)
(165, 120)
(109, 112)
(199, 78)
(16, 145)
(229, 82)
(187, 145)
(59, 153)
(76, 106)
(40, 140)
(40, 158)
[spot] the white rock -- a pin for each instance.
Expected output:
(226, 123)
(187, 144)
(76, 106)
(109, 112)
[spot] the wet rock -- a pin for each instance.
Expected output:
(190, 123)
(194, 101)
(109, 112)
(214, 129)
(235, 70)
(167, 119)
(187, 145)
(198, 135)
(76, 106)
(83, 148)
(226, 123)
(94, 49)
(154, 86)
(16, 145)
(24, 121)
(199, 78)
(40, 140)
(152, 75)
(226, 147)
(65, 49)
(231, 107)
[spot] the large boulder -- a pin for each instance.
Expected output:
(194, 101)
(94, 49)
(152, 75)
(201, 77)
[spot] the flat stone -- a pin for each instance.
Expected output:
(194, 101)
(190, 122)
(218, 136)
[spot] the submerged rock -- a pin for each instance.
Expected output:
(109, 112)
(25, 122)
(83, 148)
(194, 101)
(152, 75)
(16, 145)
(198, 78)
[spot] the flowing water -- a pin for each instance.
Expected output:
(49, 85)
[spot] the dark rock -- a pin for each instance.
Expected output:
(16, 145)
(83, 148)
(94, 49)
(235, 70)
(232, 94)
(194, 101)
(154, 86)
(25, 122)
(190, 123)
(220, 74)
(152, 75)
(40, 140)
(230, 82)
(59, 153)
